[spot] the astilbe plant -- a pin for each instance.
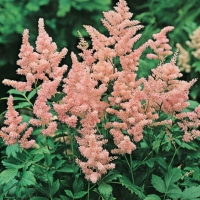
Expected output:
(105, 109)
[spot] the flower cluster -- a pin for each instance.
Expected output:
(97, 89)
(195, 43)
(16, 132)
(41, 65)
(184, 56)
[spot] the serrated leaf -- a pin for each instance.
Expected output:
(131, 187)
(12, 150)
(41, 150)
(158, 183)
(27, 179)
(79, 194)
(174, 193)
(49, 176)
(184, 145)
(69, 193)
(152, 197)
(10, 165)
(7, 175)
(191, 193)
(55, 187)
(172, 176)
(105, 190)
(111, 177)
(10, 186)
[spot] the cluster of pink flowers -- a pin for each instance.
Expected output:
(135, 102)
(41, 65)
(16, 132)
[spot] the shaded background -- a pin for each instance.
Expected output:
(63, 18)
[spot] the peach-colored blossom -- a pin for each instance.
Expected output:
(15, 131)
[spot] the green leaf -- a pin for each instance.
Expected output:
(11, 165)
(191, 107)
(55, 187)
(131, 187)
(48, 159)
(67, 169)
(32, 94)
(161, 162)
(172, 176)
(18, 98)
(41, 150)
(78, 184)
(7, 175)
(27, 179)
(152, 197)
(25, 118)
(11, 186)
(69, 193)
(174, 191)
(191, 193)
(64, 7)
(51, 143)
(105, 190)
(158, 183)
(196, 65)
(49, 176)
(150, 162)
(184, 145)
(112, 176)
(196, 175)
(38, 198)
(23, 105)
(80, 194)
(38, 157)
(64, 197)
(34, 5)
(59, 163)
(14, 91)
(12, 150)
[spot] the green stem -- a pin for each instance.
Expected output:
(173, 157)
(72, 147)
(130, 167)
(27, 99)
(88, 191)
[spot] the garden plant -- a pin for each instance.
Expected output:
(117, 124)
